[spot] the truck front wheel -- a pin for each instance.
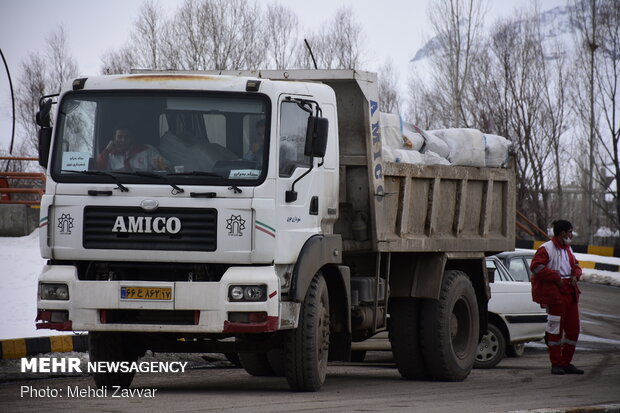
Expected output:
(307, 346)
(105, 346)
(270, 363)
(449, 329)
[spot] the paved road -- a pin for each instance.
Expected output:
(517, 383)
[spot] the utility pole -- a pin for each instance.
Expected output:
(593, 46)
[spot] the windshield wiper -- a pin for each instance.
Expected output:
(117, 181)
(178, 189)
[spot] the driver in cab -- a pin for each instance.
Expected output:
(124, 153)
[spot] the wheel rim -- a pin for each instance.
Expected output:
(488, 347)
(460, 327)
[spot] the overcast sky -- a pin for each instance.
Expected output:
(392, 28)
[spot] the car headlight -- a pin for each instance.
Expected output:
(53, 291)
(247, 293)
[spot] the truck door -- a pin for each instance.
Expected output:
(297, 220)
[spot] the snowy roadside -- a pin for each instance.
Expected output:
(596, 276)
(21, 263)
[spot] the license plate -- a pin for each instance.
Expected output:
(146, 293)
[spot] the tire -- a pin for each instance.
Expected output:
(256, 364)
(233, 358)
(515, 350)
(104, 346)
(307, 347)
(358, 356)
(276, 361)
(404, 334)
(490, 349)
(449, 329)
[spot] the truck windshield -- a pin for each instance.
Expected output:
(190, 138)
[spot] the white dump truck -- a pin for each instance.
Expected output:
(252, 213)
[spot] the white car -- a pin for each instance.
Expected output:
(514, 318)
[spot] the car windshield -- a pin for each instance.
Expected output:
(201, 138)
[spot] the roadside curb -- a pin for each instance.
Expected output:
(582, 249)
(22, 347)
(600, 408)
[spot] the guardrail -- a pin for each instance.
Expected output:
(5, 187)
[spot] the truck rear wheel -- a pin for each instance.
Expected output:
(404, 329)
(105, 346)
(449, 329)
(307, 346)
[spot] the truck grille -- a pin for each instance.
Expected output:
(171, 229)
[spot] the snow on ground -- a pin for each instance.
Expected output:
(21, 263)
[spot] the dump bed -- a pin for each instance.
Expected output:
(446, 208)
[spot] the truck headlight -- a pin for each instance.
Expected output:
(247, 293)
(53, 291)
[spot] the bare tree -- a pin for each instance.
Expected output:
(585, 19)
(235, 38)
(346, 34)
(62, 65)
(31, 86)
(608, 80)
(282, 34)
(553, 124)
(337, 45)
(40, 76)
(598, 65)
(458, 25)
(187, 42)
(118, 62)
(146, 35)
(389, 100)
(522, 95)
(145, 48)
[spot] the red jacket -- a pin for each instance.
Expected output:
(544, 278)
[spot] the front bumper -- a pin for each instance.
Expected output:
(91, 302)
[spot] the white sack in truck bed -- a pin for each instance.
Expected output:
(413, 137)
(466, 146)
(496, 150)
(391, 131)
(406, 143)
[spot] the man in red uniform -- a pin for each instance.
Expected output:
(555, 272)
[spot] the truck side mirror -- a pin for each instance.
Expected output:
(44, 120)
(316, 137)
(43, 115)
(45, 138)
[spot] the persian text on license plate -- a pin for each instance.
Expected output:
(146, 293)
